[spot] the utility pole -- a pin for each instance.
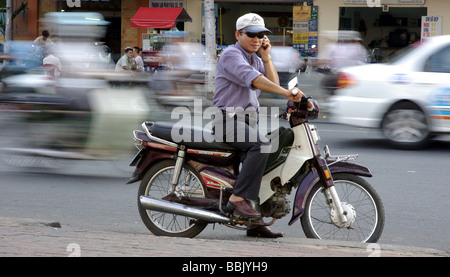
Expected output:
(8, 25)
(210, 44)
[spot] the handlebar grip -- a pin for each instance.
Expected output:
(310, 106)
(295, 91)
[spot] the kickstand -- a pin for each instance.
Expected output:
(220, 201)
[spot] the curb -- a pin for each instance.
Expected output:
(37, 238)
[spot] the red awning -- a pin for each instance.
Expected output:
(163, 18)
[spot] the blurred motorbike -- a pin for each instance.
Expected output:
(186, 185)
(42, 129)
(83, 114)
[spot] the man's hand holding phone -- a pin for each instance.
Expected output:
(265, 47)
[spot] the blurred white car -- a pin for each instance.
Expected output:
(408, 98)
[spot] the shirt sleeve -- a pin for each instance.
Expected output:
(120, 64)
(239, 70)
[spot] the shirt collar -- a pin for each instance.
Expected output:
(247, 56)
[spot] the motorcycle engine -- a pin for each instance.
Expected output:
(276, 207)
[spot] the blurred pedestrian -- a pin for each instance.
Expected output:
(185, 64)
(184, 57)
(138, 59)
(126, 62)
(51, 63)
(348, 51)
(43, 40)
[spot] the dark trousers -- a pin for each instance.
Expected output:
(241, 131)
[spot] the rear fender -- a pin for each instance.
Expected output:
(144, 160)
(312, 177)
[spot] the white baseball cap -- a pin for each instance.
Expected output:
(252, 23)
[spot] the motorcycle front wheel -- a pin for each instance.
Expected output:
(359, 198)
(156, 184)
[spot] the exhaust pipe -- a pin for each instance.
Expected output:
(180, 209)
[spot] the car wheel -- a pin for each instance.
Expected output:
(405, 125)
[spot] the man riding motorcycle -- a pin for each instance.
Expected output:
(240, 77)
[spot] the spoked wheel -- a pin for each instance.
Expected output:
(362, 204)
(156, 184)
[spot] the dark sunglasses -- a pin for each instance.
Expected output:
(253, 35)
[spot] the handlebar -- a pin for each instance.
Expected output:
(306, 108)
(295, 91)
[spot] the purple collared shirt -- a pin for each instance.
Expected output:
(235, 72)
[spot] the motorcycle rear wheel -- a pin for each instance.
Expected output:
(369, 223)
(157, 183)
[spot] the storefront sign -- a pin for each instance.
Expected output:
(167, 4)
(305, 29)
(77, 3)
(300, 26)
(301, 12)
(378, 3)
(300, 38)
(431, 26)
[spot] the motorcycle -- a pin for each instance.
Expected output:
(185, 186)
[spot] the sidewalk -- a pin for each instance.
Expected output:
(34, 238)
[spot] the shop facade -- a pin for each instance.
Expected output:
(400, 21)
(378, 21)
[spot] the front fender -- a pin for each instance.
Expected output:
(302, 193)
(346, 167)
(312, 177)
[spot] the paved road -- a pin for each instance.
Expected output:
(40, 238)
(89, 202)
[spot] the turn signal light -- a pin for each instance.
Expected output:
(326, 171)
(327, 174)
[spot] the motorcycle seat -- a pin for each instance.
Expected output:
(195, 137)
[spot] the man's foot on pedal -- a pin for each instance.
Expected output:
(243, 208)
